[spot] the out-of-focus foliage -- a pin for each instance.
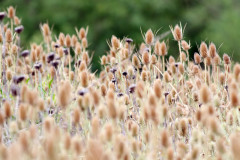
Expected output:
(215, 20)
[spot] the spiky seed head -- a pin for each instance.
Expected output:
(11, 12)
(145, 58)
(185, 45)
(235, 145)
(64, 94)
(82, 33)
(234, 98)
(84, 78)
(149, 37)
(7, 109)
(157, 48)
(163, 49)
(197, 58)
(212, 50)
(8, 35)
(205, 94)
(226, 59)
(177, 33)
(203, 50)
(115, 42)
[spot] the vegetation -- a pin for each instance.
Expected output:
(214, 21)
(145, 104)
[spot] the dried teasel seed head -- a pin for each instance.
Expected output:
(171, 60)
(84, 43)
(226, 59)
(64, 94)
(68, 41)
(167, 78)
(9, 75)
(149, 37)
(135, 61)
(22, 112)
(170, 154)
(212, 50)
(234, 98)
(235, 145)
(11, 12)
(76, 116)
(157, 48)
(236, 71)
(205, 94)
(197, 58)
(208, 61)
(157, 88)
(145, 58)
(222, 78)
(8, 35)
(7, 109)
(84, 78)
(46, 30)
(115, 42)
(82, 33)
(185, 45)
(163, 49)
(165, 138)
(177, 33)
(203, 50)
(181, 68)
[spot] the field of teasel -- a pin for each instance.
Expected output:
(143, 105)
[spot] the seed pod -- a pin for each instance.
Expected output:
(203, 50)
(115, 43)
(149, 37)
(7, 109)
(8, 36)
(11, 12)
(205, 94)
(212, 50)
(145, 58)
(226, 59)
(197, 58)
(163, 49)
(177, 33)
(185, 45)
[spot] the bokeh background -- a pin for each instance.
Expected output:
(215, 21)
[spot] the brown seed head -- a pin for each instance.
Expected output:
(8, 35)
(64, 94)
(197, 58)
(226, 59)
(82, 33)
(212, 50)
(11, 12)
(149, 37)
(177, 33)
(203, 50)
(163, 49)
(7, 109)
(205, 94)
(145, 58)
(185, 45)
(115, 42)
(68, 41)
(84, 78)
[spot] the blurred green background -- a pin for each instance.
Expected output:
(209, 20)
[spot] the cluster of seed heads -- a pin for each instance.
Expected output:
(145, 104)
